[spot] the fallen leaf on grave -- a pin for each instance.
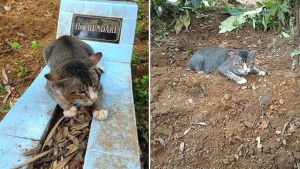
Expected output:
(32, 151)
(62, 163)
(162, 142)
(187, 131)
(52, 131)
(33, 158)
(262, 123)
(181, 147)
(72, 148)
(74, 139)
(201, 123)
(178, 26)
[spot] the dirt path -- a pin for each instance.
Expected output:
(233, 116)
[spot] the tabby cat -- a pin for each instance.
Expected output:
(228, 62)
(74, 76)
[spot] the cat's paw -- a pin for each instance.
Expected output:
(100, 114)
(242, 81)
(70, 113)
(100, 69)
(261, 73)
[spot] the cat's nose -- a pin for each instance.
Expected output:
(93, 98)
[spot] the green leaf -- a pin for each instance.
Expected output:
(295, 64)
(14, 45)
(20, 74)
(228, 25)
(231, 11)
(196, 3)
(294, 53)
(159, 11)
(178, 26)
(186, 20)
(285, 35)
(13, 69)
(35, 44)
(269, 4)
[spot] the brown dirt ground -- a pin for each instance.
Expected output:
(24, 21)
(235, 117)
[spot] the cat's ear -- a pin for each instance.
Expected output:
(252, 53)
(94, 59)
(53, 77)
(232, 53)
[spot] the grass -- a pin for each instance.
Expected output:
(14, 45)
(2, 90)
(35, 44)
(22, 71)
(136, 60)
(5, 108)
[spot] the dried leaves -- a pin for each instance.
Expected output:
(65, 144)
(7, 87)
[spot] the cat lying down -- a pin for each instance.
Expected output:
(74, 78)
(228, 62)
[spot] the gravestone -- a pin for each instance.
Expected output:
(108, 27)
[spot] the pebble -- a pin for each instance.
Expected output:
(284, 142)
(281, 101)
(278, 132)
(253, 87)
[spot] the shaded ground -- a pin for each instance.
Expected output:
(235, 115)
(26, 21)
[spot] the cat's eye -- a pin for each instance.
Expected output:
(81, 92)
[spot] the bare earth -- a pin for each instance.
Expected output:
(207, 121)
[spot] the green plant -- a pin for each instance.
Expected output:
(145, 51)
(5, 108)
(259, 42)
(277, 15)
(188, 52)
(140, 92)
(14, 45)
(35, 44)
(173, 7)
(141, 99)
(22, 71)
(18, 61)
(295, 55)
(139, 27)
(269, 15)
(161, 31)
(136, 60)
(2, 90)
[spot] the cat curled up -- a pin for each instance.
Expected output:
(228, 62)
(74, 78)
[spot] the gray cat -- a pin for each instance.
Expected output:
(228, 62)
(74, 78)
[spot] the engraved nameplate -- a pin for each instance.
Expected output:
(96, 28)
